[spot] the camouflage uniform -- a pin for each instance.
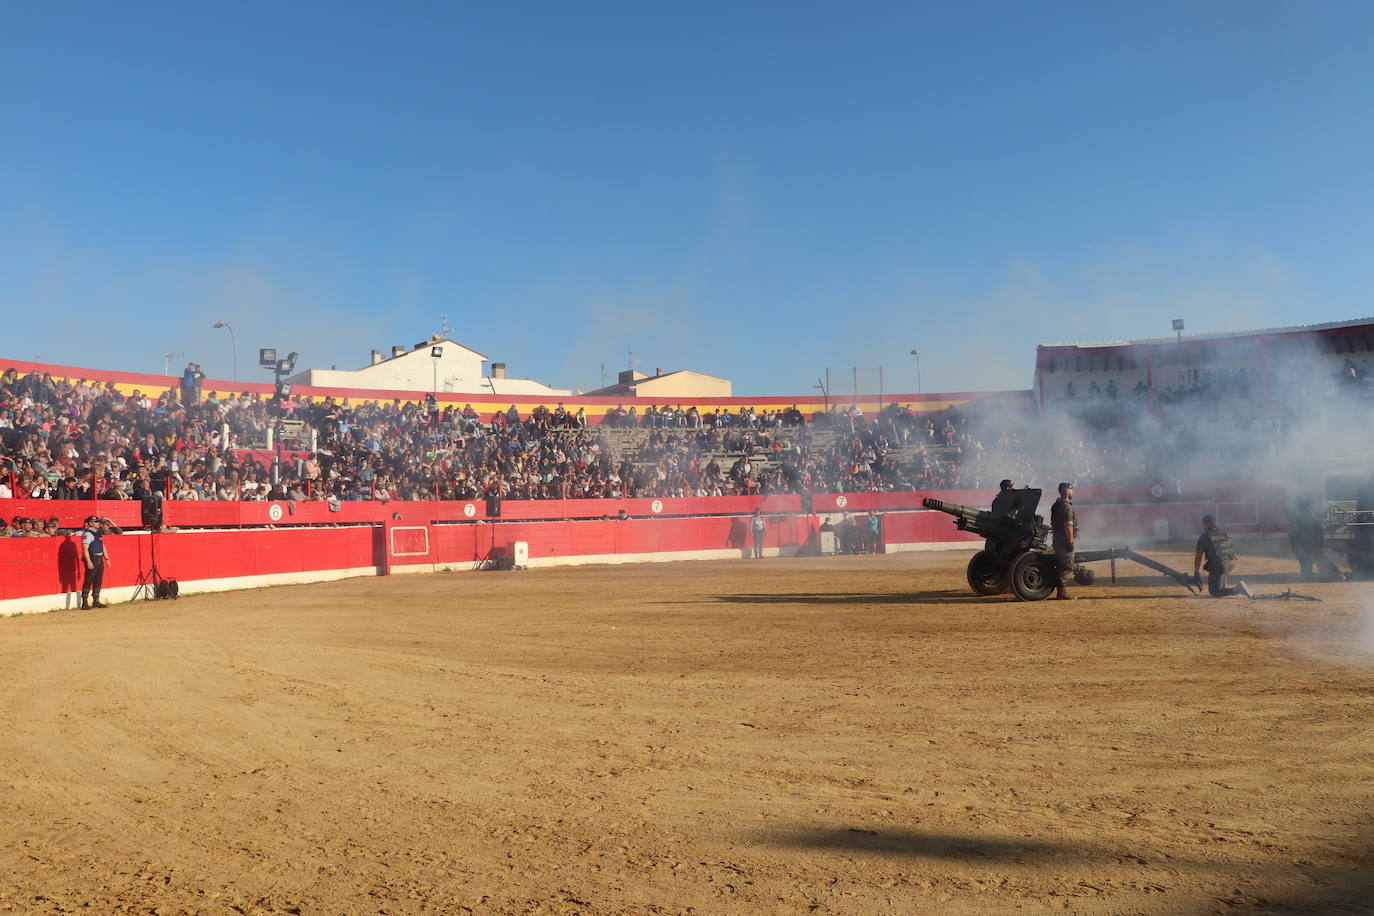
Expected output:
(1064, 524)
(1220, 554)
(1306, 536)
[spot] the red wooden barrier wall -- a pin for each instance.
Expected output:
(241, 547)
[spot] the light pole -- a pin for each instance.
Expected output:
(281, 368)
(917, 354)
(233, 343)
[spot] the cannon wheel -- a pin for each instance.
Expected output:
(1033, 576)
(986, 575)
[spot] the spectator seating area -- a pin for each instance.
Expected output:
(73, 439)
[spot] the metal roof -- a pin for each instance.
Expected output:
(1224, 335)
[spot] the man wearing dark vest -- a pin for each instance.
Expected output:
(94, 558)
(1064, 525)
(1215, 546)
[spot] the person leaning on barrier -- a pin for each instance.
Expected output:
(1215, 546)
(1064, 525)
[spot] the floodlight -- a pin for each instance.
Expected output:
(267, 357)
(436, 352)
(1178, 324)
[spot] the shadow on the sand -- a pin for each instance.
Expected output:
(919, 844)
(945, 596)
(852, 598)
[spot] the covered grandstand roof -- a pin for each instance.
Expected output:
(1225, 335)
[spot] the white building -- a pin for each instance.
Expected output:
(439, 364)
(683, 383)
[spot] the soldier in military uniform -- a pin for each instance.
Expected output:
(1296, 513)
(1215, 545)
(1306, 534)
(1006, 502)
(1064, 525)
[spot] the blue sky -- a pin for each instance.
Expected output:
(754, 190)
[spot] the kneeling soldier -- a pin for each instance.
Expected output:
(1215, 545)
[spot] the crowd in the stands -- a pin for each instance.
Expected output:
(78, 439)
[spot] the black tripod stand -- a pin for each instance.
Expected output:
(152, 584)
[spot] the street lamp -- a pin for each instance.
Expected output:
(233, 342)
(281, 368)
(917, 354)
(825, 394)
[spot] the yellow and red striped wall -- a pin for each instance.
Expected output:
(596, 408)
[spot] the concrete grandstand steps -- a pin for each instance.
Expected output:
(628, 443)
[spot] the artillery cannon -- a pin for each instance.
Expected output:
(1015, 554)
(1018, 557)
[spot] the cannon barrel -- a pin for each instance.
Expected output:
(977, 521)
(1024, 530)
(968, 513)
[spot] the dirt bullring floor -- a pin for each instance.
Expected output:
(847, 735)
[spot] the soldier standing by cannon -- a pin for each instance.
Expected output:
(1298, 511)
(1307, 536)
(1064, 525)
(1215, 546)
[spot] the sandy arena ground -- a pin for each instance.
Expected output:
(847, 735)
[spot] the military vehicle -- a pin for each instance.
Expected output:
(1348, 521)
(1017, 555)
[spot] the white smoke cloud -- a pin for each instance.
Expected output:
(979, 338)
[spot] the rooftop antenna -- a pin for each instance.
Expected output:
(445, 329)
(603, 373)
(631, 361)
(167, 360)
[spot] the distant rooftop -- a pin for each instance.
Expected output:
(1225, 335)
